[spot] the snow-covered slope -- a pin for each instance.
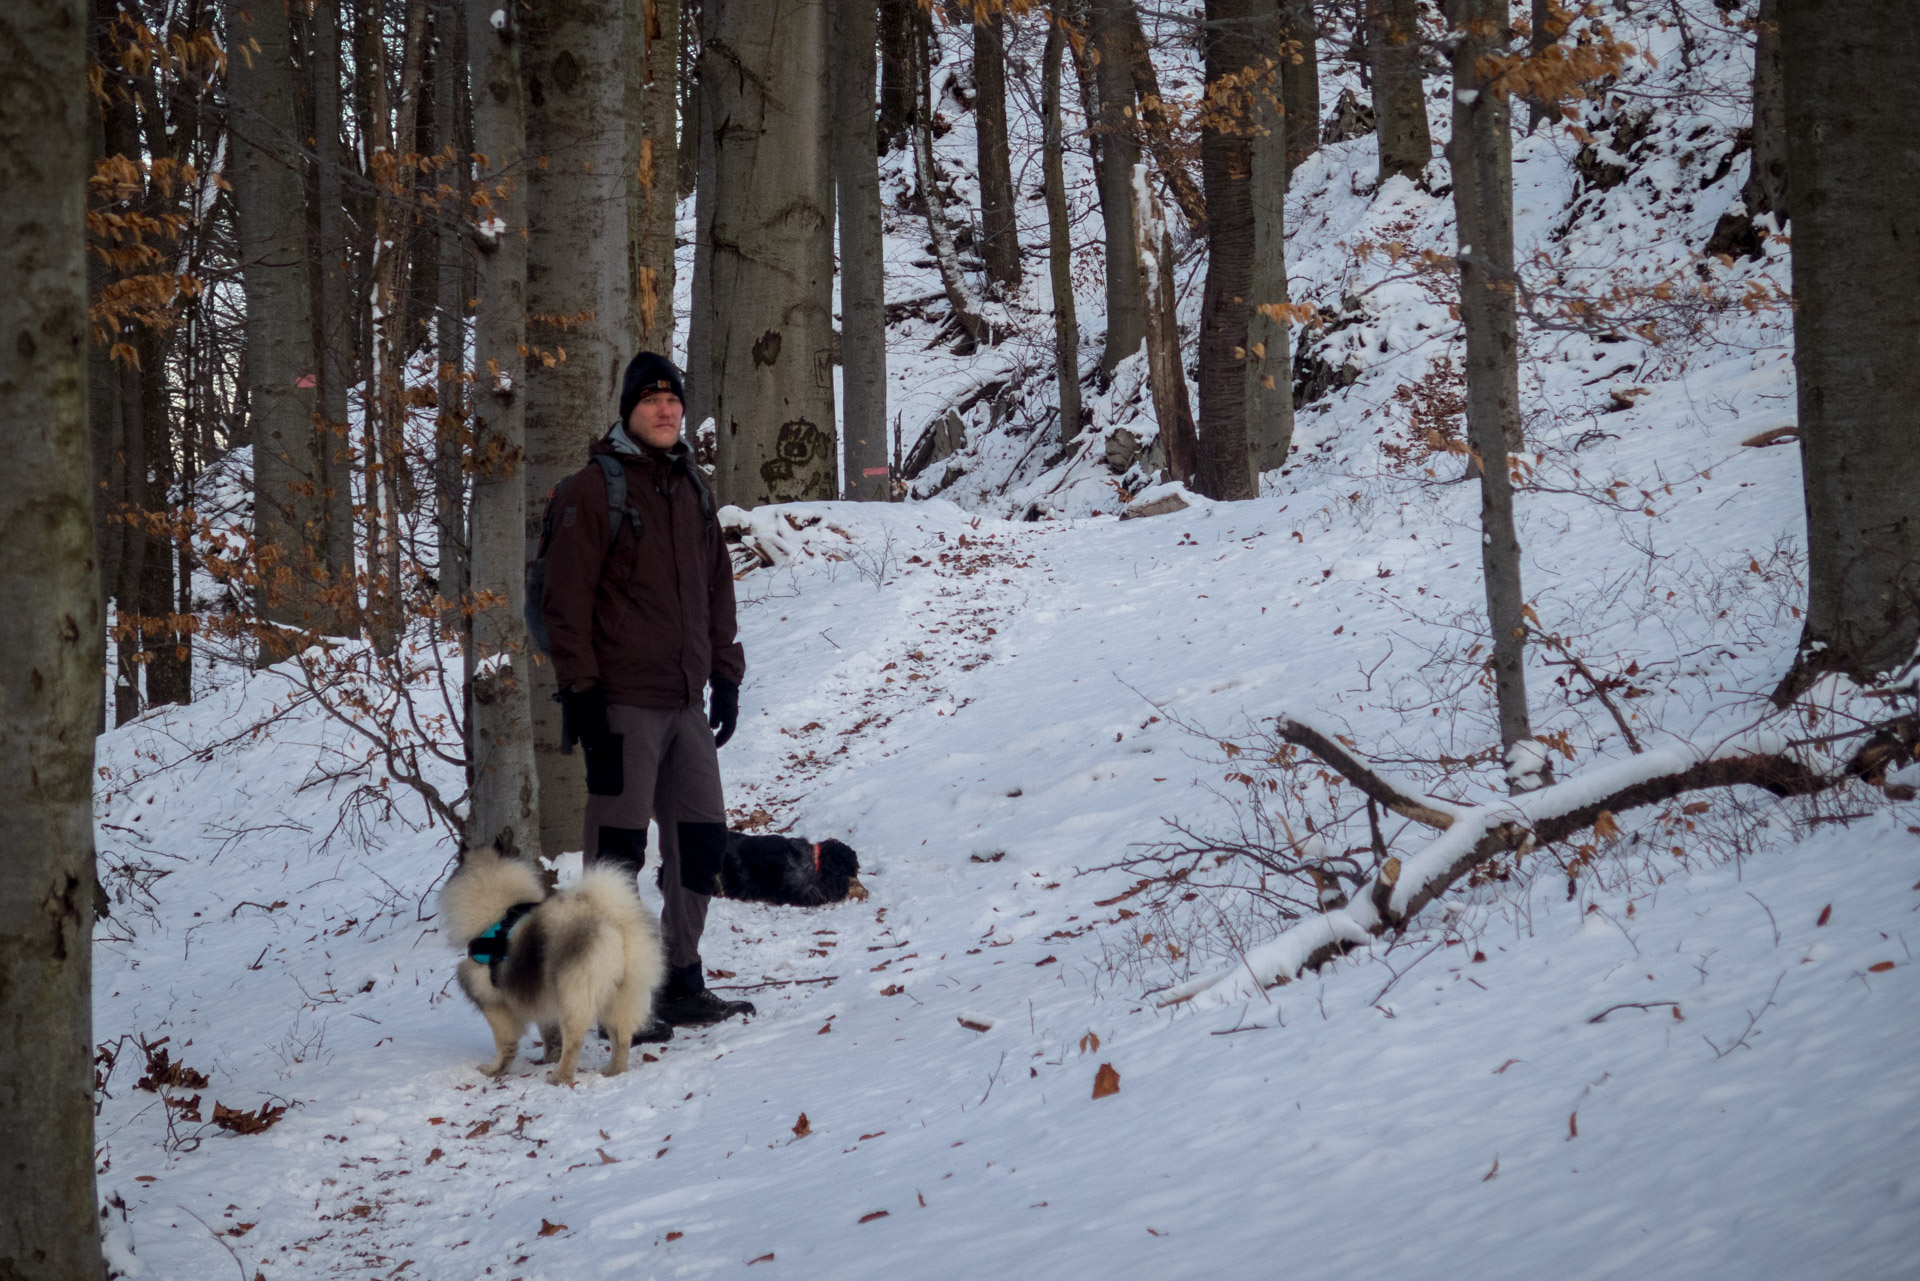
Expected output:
(995, 713)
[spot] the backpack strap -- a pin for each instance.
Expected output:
(617, 504)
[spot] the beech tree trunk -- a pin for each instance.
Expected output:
(1119, 152)
(505, 812)
(765, 68)
(652, 93)
(689, 147)
(1066, 324)
(701, 372)
(51, 632)
(1851, 98)
(1765, 190)
(1481, 153)
(953, 280)
(1399, 103)
(899, 22)
(1166, 376)
(1301, 82)
(1155, 130)
(1226, 168)
(571, 61)
(863, 300)
(332, 332)
(268, 196)
(449, 478)
(1269, 350)
(1001, 252)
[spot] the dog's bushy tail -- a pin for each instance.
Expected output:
(481, 890)
(611, 892)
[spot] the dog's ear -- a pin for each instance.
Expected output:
(840, 855)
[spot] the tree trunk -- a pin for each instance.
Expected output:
(166, 650)
(701, 374)
(1001, 252)
(772, 251)
(1300, 89)
(1226, 167)
(332, 334)
(1851, 98)
(576, 304)
(1399, 100)
(103, 379)
(863, 301)
(1066, 324)
(505, 812)
(1481, 153)
(960, 298)
(1542, 36)
(1156, 130)
(1765, 190)
(288, 515)
(51, 633)
(653, 165)
(1269, 351)
(1166, 377)
(449, 476)
(899, 23)
(1113, 79)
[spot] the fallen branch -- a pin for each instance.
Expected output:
(1472, 837)
(1370, 784)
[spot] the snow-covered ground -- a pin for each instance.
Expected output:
(994, 713)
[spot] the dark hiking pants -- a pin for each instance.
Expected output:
(662, 766)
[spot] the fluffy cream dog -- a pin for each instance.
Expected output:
(587, 954)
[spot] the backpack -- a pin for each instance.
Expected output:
(618, 509)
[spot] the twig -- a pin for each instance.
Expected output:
(1369, 783)
(993, 1079)
(217, 1237)
(748, 987)
(1769, 912)
(1632, 1005)
(1753, 1017)
(1554, 642)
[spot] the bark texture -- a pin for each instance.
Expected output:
(764, 68)
(1001, 252)
(1854, 182)
(1066, 324)
(270, 203)
(1399, 105)
(1165, 375)
(51, 633)
(897, 40)
(953, 279)
(1482, 158)
(1765, 190)
(449, 479)
(652, 170)
(1156, 128)
(576, 300)
(863, 299)
(1119, 152)
(1226, 169)
(332, 335)
(1301, 88)
(505, 812)
(1269, 351)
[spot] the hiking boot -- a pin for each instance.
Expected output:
(653, 1033)
(686, 1002)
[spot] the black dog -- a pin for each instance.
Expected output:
(789, 871)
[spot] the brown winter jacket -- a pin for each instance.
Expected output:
(651, 618)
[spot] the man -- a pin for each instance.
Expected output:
(640, 620)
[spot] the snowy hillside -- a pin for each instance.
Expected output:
(1688, 1053)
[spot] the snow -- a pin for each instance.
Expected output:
(995, 713)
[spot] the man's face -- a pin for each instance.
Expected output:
(656, 420)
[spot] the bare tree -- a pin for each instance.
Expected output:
(332, 339)
(1001, 250)
(51, 632)
(652, 108)
(576, 300)
(1226, 167)
(449, 479)
(764, 68)
(898, 36)
(1482, 158)
(505, 812)
(863, 299)
(1851, 97)
(1118, 153)
(961, 299)
(1765, 190)
(1269, 358)
(1066, 324)
(1300, 28)
(1156, 127)
(1399, 100)
(1166, 375)
(281, 375)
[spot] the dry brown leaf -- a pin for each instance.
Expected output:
(974, 1025)
(237, 1122)
(801, 1129)
(1573, 1125)
(892, 989)
(1880, 967)
(479, 1128)
(675, 1236)
(877, 1214)
(1490, 1173)
(1605, 828)
(765, 1258)
(548, 1229)
(605, 1159)
(435, 1155)
(1106, 1081)
(1504, 1066)
(1826, 914)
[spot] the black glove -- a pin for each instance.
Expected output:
(724, 710)
(583, 716)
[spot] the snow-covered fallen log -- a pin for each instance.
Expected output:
(1470, 837)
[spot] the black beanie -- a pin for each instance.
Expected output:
(648, 372)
